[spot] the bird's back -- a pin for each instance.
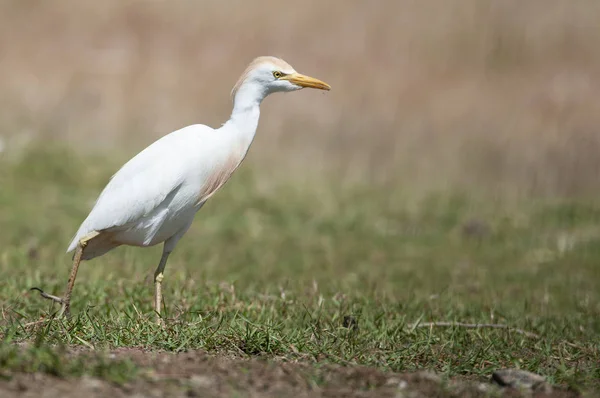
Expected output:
(159, 185)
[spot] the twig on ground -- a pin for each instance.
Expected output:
(36, 322)
(474, 326)
(532, 335)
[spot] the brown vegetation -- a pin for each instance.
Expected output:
(432, 94)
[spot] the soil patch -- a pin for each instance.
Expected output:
(198, 374)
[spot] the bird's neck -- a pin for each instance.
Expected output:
(246, 112)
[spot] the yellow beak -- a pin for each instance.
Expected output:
(306, 81)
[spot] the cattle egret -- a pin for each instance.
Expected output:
(154, 197)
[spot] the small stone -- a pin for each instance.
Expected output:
(201, 381)
(91, 383)
(350, 322)
(483, 387)
(426, 375)
(520, 379)
(392, 381)
(400, 384)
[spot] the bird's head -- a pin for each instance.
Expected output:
(271, 75)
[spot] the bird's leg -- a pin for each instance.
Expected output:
(158, 278)
(66, 300)
(168, 247)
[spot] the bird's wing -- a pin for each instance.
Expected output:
(142, 184)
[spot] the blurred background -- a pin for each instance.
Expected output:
(476, 95)
(452, 173)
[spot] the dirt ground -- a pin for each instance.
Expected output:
(198, 374)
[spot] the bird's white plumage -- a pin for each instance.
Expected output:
(154, 194)
(153, 198)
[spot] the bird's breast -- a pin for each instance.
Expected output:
(220, 174)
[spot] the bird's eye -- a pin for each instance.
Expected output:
(277, 74)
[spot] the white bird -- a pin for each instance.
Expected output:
(154, 197)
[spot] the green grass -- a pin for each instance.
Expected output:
(274, 272)
(60, 363)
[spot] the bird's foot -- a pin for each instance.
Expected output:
(45, 295)
(64, 310)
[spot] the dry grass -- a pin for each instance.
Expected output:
(490, 97)
(474, 94)
(292, 274)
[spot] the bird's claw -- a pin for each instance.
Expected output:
(48, 296)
